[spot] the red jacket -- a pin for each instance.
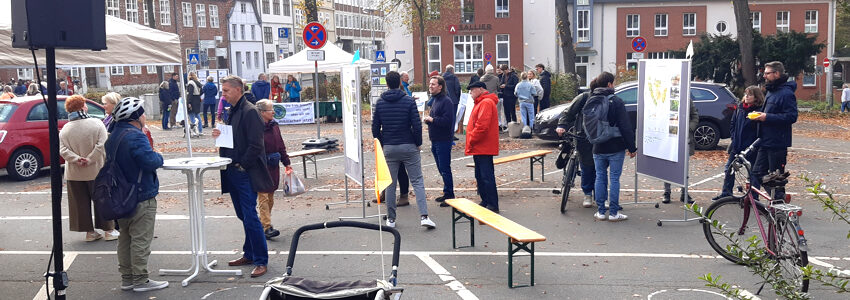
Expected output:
(482, 133)
(276, 93)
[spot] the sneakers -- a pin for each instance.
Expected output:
(588, 201)
(271, 232)
(150, 286)
(666, 199)
(427, 223)
(599, 216)
(440, 199)
(618, 217)
(126, 285)
(93, 236)
(682, 199)
(391, 223)
(111, 235)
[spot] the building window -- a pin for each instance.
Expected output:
(661, 25)
(253, 32)
(187, 14)
(811, 21)
(112, 8)
(24, 73)
(434, 53)
(631, 62)
(468, 9)
(783, 21)
(150, 69)
(276, 7)
(233, 33)
(248, 59)
(583, 25)
(243, 8)
(632, 25)
(809, 78)
(213, 16)
(267, 35)
(256, 59)
(132, 11)
(145, 12)
(502, 9)
(660, 55)
(266, 7)
(286, 11)
(116, 70)
(582, 2)
(721, 27)
(168, 69)
(135, 69)
(581, 70)
(201, 11)
(242, 31)
(755, 17)
(469, 53)
(298, 17)
(164, 12)
(503, 50)
(269, 58)
(689, 24)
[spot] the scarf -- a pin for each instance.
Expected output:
(77, 115)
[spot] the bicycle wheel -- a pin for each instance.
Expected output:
(789, 256)
(729, 213)
(567, 184)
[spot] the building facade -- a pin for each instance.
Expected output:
(277, 29)
(359, 27)
(247, 50)
(326, 17)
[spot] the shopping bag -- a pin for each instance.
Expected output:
(292, 185)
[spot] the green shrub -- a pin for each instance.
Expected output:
(564, 88)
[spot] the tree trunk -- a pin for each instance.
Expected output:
(566, 37)
(423, 47)
(745, 41)
(152, 24)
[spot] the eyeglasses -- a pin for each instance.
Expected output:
(771, 72)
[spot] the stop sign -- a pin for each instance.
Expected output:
(826, 62)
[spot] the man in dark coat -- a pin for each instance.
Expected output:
(247, 174)
(546, 82)
(261, 88)
(452, 85)
(780, 111)
(507, 86)
(441, 122)
(174, 89)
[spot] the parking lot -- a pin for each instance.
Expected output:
(581, 258)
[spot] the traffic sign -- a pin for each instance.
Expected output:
(283, 33)
(380, 56)
(452, 29)
(488, 56)
(397, 61)
(639, 44)
(397, 52)
(315, 55)
(637, 55)
(826, 62)
(315, 35)
(193, 59)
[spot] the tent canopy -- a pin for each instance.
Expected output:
(335, 58)
(128, 44)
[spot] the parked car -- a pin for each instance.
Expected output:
(714, 102)
(24, 140)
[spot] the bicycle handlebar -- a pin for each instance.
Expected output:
(750, 148)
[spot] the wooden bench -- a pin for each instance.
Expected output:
(535, 156)
(308, 155)
(519, 237)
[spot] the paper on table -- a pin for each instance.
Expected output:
(225, 139)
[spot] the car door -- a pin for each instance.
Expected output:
(629, 97)
(36, 129)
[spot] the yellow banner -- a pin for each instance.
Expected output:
(383, 179)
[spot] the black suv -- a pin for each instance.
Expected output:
(714, 103)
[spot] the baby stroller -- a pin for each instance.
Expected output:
(288, 287)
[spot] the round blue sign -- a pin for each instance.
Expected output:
(638, 44)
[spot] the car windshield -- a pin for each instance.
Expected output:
(6, 111)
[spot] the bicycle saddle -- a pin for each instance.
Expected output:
(775, 179)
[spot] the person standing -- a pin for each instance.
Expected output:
(546, 83)
(164, 103)
(452, 87)
(7, 93)
(532, 77)
(476, 77)
(441, 122)
(507, 86)
(261, 88)
(293, 88)
(277, 90)
(110, 100)
(174, 88)
(611, 153)
(526, 92)
(775, 120)
(63, 89)
(743, 133)
(845, 97)
(81, 143)
(33, 89)
(482, 142)
(210, 99)
(193, 94)
(403, 179)
(21, 89)
(405, 83)
(246, 174)
(136, 159)
(275, 155)
(491, 81)
(397, 126)
(573, 117)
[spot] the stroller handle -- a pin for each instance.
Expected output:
(296, 236)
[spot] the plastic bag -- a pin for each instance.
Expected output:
(292, 185)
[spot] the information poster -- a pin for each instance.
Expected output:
(294, 113)
(662, 96)
(352, 132)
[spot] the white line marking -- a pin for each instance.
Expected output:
(158, 217)
(816, 150)
(453, 159)
(507, 183)
(329, 158)
(707, 180)
(216, 291)
(445, 276)
(45, 290)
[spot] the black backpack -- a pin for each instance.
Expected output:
(115, 197)
(595, 122)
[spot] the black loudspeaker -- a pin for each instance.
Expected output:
(61, 24)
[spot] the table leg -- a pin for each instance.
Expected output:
(192, 234)
(304, 164)
(202, 240)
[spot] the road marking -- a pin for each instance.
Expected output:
(329, 158)
(45, 290)
(831, 268)
(744, 292)
(216, 291)
(158, 217)
(707, 179)
(445, 276)
(507, 183)
(453, 159)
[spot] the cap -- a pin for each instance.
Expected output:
(477, 84)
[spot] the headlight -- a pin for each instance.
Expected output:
(2, 136)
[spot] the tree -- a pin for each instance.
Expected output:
(565, 35)
(416, 15)
(745, 41)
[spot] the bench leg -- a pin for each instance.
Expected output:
(533, 160)
(514, 247)
(456, 216)
(315, 165)
(304, 164)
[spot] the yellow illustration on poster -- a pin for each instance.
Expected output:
(350, 113)
(661, 109)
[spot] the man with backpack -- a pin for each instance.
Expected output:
(129, 150)
(572, 117)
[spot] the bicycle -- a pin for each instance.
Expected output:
(783, 238)
(568, 159)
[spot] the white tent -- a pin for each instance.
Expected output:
(335, 58)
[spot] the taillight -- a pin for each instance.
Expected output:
(800, 232)
(732, 106)
(787, 198)
(799, 213)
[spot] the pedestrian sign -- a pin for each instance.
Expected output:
(315, 35)
(193, 59)
(380, 56)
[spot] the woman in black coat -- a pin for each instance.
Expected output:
(165, 103)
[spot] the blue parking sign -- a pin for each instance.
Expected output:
(283, 33)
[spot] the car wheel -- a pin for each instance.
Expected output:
(706, 136)
(24, 164)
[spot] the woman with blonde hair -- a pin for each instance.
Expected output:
(81, 143)
(193, 94)
(33, 89)
(109, 101)
(532, 77)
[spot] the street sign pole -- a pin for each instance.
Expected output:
(316, 98)
(827, 72)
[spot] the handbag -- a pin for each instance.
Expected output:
(292, 185)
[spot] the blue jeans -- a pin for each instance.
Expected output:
(245, 203)
(845, 104)
(485, 181)
(604, 188)
(526, 110)
(769, 160)
(209, 109)
(442, 152)
(165, 113)
(294, 99)
(196, 119)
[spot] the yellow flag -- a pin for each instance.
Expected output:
(383, 179)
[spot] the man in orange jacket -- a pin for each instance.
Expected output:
(482, 142)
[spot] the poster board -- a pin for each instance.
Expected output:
(294, 113)
(662, 119)
(470, 103)
(352, 132)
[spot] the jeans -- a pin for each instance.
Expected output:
(294, 99)
(526, 110)
(588, 168)
(245, 204)
(209, 108)
(485, 181)
(769, 160)
(196, 119)
(407, 155)
(501, 108)
(510, 110)
(604, 188)
(442, 152)
(134, 243)
(166, 113)
(845, 104)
